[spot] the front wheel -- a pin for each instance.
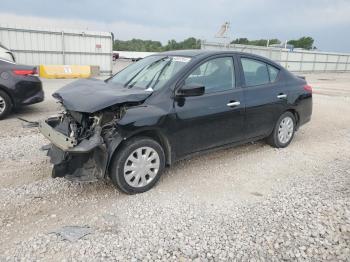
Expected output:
(283, 132)
(138, 165)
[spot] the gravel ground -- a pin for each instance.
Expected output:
(250, 203)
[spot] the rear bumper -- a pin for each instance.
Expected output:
(37, 98)
(304, 110)
(304, 121)
(28, 91)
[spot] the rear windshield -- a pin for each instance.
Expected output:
(6, 54)
(6, 62)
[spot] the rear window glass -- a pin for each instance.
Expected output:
(255, 72)
(273, 71)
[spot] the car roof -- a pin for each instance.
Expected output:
(199, 53)
(189, 53)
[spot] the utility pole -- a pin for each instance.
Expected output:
(224, 32)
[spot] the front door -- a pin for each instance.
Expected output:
(215, 118)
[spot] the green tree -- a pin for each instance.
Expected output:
(137, 45)
(260, 42)
(189, 43)
(305, 42)
(155, 46)
(274, 41)
(241, 41)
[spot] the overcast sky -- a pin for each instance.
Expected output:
(327, 21)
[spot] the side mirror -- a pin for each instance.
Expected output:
(190, 90)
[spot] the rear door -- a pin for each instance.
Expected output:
(215, 118)
(265, 96)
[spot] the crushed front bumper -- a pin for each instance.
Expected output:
(84, 161)
(66, 143)
(58, 139)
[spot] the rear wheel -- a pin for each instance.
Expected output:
(5, 105)
(283, 132)
(138, 165)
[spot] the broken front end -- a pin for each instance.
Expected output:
(82, 144)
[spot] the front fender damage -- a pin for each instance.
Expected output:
(81, 146)
(87, 167)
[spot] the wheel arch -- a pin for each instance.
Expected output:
(156, 135)
(296, 115)
(3, 89)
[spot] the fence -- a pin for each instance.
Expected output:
(295, 61)
(57, 47)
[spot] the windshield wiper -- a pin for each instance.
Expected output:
(160, 73)
(127, 84)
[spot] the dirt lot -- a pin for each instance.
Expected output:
(252, 202)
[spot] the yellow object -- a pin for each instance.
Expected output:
(64, 71)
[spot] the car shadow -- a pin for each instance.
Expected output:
(173, 175)
(33, 112)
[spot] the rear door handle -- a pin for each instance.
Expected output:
(233, 103)
(282, 96)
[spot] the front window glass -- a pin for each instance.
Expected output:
(150, 73)
(215, 75)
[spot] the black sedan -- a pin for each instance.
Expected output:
(18, 86)
(167, 107)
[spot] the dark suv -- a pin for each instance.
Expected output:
(168, 106)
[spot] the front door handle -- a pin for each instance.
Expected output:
(233, 103)
(282, 96)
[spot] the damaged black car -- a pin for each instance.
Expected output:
(169, 106)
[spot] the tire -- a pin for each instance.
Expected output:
(5, 105)
(131, 176)
(283, 132)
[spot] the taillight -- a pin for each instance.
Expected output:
(24, 72)
(308, 88)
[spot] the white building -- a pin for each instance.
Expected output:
(35, 46)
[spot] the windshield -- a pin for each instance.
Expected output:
(150, 73)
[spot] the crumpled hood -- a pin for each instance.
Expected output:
(91, 95)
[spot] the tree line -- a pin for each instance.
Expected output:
(155, 46)
(140, 45)
(305, 42)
